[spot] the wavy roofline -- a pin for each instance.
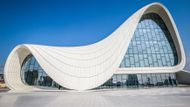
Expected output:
(87, 67)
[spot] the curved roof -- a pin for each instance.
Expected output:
(86, 67)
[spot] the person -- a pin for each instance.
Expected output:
(166, 82)
(59, 87)
(148, 82)
(174, 81)
(170, 81)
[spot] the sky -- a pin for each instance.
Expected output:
(76, 22)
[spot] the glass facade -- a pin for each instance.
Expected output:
(151, 45)
(33, 74)
(140, 80)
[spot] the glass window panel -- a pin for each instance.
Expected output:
(114, 79)
(144, 79)
(139, 79)
(151, 38)
(33, 74)
(159, 80)
(163, 76)
(154, 79)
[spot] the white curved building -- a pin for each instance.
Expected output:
(146, 50)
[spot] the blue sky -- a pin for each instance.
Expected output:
(75, 22)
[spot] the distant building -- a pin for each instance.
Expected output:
(1, 73)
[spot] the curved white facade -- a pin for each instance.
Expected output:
(87, 67)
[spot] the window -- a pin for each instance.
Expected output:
(142, 80)
(151, 45)
(33, 74)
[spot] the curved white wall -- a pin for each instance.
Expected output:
(87, 67)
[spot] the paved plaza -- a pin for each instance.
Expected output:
(154, 97)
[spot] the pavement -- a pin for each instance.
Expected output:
(152, 97)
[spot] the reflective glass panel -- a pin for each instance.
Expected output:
(151, 45)
(33, 74)
(141, 80)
